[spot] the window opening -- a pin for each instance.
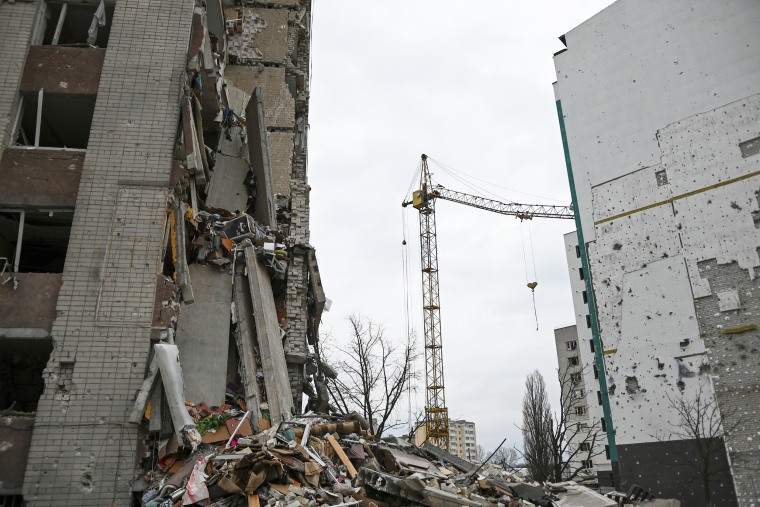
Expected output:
(588, 321)
(585, 297)
(580, 410)
(21, 365)
(571, 345)
(585, 446)
(591, 344)
(572, 361)
(575, 378)
(588, 464)
(596, 372)
(578, 251)
(55, 121)
(71, 24)
(604, 425)
(580, 273)
(34, 241)
(599, 396)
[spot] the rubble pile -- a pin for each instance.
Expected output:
(328, 460)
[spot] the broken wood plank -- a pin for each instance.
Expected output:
(342, 455)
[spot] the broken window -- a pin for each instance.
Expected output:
(70, 24)
(571, 345)
(750, 148)
(585, 297)
(585, 446)
(55, 121)
(21, 365)
(580, 410)
(573, 361)
(34, 241)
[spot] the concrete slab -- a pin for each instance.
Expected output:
(227, 189)
(269, 337)
(203, 331)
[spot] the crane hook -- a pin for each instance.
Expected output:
(532, 286)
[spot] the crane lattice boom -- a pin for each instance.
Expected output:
(436, 413)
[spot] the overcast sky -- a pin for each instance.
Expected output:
(469, 84)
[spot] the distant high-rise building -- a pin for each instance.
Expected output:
(462, 439)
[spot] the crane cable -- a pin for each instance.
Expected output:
(531, 285)
(407, 282)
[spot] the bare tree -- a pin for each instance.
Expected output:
(373, 374)
(506, 457)
(553, 443)
(700, 422)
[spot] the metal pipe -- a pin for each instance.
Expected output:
(19, 240)
(59, 26)
(39, 119)
(237, 428)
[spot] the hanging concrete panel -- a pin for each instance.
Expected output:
(203, 335)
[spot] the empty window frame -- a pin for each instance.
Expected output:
(571, 345)
(21, 366)
(573, 361)
(55, 121)
(34, 241)
(78, 23)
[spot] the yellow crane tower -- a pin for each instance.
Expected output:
(423, 200)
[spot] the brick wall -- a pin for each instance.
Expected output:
(734, 361)
(83, 449)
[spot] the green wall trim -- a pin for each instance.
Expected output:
(598, 349)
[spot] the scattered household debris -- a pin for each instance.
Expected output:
(319, 459)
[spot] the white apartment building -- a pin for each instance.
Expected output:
(659, 110)
(462, 440)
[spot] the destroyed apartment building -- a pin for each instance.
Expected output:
(154, 234)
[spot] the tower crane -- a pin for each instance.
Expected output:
(423, 200)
